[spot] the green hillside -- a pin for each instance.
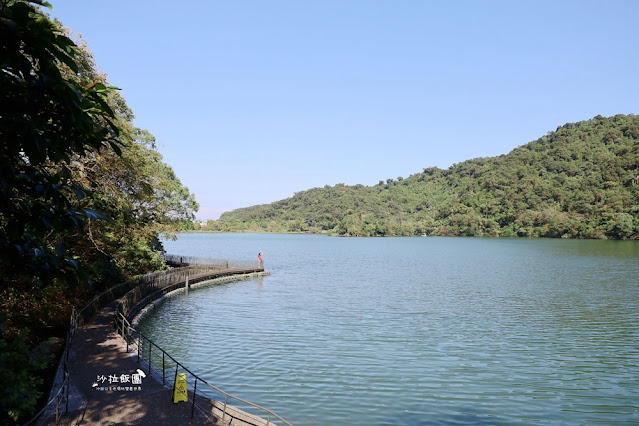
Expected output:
(580, 181)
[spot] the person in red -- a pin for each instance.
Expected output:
(259, 258)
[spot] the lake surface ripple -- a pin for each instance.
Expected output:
(416, 331)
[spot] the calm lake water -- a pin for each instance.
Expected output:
(416, 331)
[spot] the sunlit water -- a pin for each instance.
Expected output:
(412, 331)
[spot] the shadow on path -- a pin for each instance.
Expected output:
(98, 353)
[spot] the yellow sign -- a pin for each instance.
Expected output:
(179, 389)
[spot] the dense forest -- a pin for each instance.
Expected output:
(84, 196)
(580, 181)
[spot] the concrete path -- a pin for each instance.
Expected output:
(98, 352)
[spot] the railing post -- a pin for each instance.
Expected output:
(163, 367)
(175, 378)
(226, 397)
(139, 345)
(149, 357)
(194, 390)
(186, 285)
(66, 390)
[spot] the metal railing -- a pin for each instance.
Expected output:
(62, 396)
(174, 259)
(78, 318)
(131, 293)
(145, 348)
(199, 269)
(155, 285)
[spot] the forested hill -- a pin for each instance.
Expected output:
(580, 181)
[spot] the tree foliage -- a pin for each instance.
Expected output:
(580, 181)
(139, 193)
(84, 195)
(45, 121)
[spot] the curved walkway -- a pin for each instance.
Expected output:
(98, 356)
(98, 351)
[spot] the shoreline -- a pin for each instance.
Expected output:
(215, 281)
(262, 232)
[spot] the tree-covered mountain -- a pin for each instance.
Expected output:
(580, 181)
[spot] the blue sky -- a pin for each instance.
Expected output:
(252, 101)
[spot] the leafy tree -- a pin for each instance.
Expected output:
(45, 121)
(84, 195)
(133, 187)
(16, 398)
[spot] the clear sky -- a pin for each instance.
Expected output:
(252, 101)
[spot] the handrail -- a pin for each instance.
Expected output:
(126, 330)
(109, 295)
(63, 392)
(77, 315)
(177, 259)
(58, 397)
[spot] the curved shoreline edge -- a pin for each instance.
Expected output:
(131, 308)
(98, 347)
(150, 305)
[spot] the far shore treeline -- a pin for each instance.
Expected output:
(84, 197)
(580, 181)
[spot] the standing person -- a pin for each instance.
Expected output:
(261, 263)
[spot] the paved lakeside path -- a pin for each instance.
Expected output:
(99, 353)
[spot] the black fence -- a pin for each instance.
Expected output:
(131, 294)
(179, 260)
(210, 401)
(60, 399)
